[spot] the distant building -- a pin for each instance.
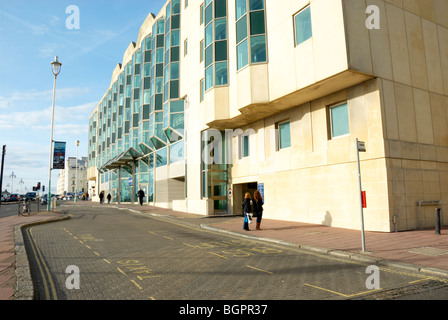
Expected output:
(217, 98)
(67, 176)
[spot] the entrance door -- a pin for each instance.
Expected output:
(239, 190)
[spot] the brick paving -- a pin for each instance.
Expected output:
(419, 250)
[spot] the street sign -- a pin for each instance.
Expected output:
(230, 192)
(260, 187)
(130, 181)
(361, 146)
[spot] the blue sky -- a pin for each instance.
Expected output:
(31, 34)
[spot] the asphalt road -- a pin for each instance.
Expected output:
(105, 253)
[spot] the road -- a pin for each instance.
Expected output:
(115, 254)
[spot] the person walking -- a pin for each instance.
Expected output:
(141, 195)
(108, 198)
(258, 208)
(101, 197)
(247, 208)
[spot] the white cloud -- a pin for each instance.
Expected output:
(47, 95)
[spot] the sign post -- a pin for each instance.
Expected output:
(361, 147)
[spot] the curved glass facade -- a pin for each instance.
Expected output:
(139, 122)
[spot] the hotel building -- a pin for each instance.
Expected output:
(220, 97)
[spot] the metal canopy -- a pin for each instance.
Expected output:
(122, 159)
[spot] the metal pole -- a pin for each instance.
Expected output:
(360, 198)
(51, 147)
(1, 173)
(76, 188)
(438, 225)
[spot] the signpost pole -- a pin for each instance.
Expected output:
(362, 149)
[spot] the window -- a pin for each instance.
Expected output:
(244, 146)
(215, 44)
(339, 124)
(201, 93)
(284, 135)
(250, 32)
(302, 26)
(185, 47)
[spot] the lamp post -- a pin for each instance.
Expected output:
(12, 176)
(76, 187)
(56, 69)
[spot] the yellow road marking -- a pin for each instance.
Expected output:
(168, 238)
(342, 294)
(96, 253)
(218, 255)
(38, 255)
(260, 269)
(136, 284)
(107, 261)
(121, 271)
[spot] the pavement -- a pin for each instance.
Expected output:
(421, 251)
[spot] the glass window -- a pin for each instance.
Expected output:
(256, 4)
(220, 8)
(175, 38)
(221, 50)
(257, 22)
(303, 30)
(242, 54)
(177, 151)
(241, 29)
(161, 157)
(208, 56)
(174, 71)
(221, 29)
(201, 53)
(284, 135)
(258, 49)
(201, 17)
(208, 14)
(208, 34)
(208, 77)
(201, 90)
(339, 120)
(245, 146)
(241, 8)
(221, 73)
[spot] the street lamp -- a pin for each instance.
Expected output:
(76, 187)
(56, 69)
(12, 176)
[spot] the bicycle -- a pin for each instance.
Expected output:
(25, 208)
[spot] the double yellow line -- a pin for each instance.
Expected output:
(49, 289)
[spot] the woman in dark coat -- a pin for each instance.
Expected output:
(247, 208)
(258, 207)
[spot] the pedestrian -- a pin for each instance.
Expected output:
(101, 197)
(258, 207)
(108, 198)
(247, 208)
(141, 195)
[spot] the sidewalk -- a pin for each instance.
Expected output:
(8, 254)
(418, 250)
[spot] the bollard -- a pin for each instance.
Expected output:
(438, 220)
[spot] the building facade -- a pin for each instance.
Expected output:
(67, 176)
(217, 98)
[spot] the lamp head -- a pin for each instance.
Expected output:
(56, 66)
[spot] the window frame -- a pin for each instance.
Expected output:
(242, 139)
(278, 138)
(295, 26)
(330, 120)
